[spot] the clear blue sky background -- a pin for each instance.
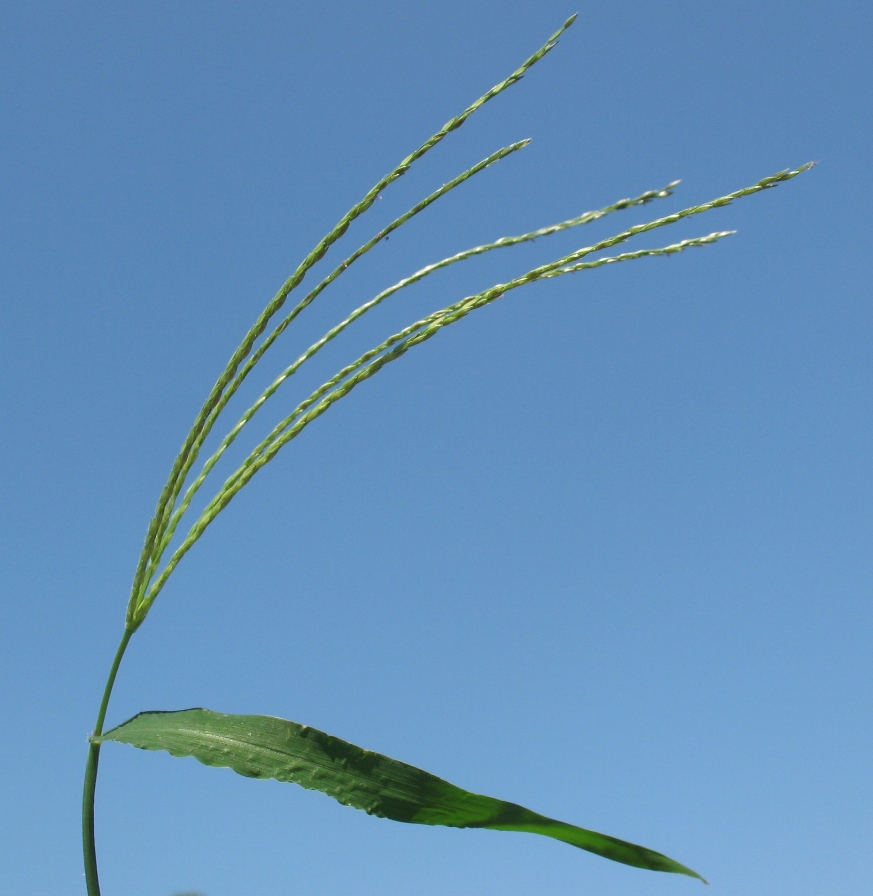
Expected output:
(602, 549)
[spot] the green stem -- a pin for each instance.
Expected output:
(89, 848)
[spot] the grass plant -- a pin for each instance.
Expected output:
(266, 747)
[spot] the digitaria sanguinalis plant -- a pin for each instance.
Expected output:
(267, 747)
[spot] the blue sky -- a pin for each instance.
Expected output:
(602, 549)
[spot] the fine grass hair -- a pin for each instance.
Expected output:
(263, 746)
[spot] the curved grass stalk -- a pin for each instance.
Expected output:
(503, 242)
(366, 366)
(398, 344)
(149, 579)
(205, 418)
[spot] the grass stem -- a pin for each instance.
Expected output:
(89, 846)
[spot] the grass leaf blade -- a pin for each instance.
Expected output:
(267, 747)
